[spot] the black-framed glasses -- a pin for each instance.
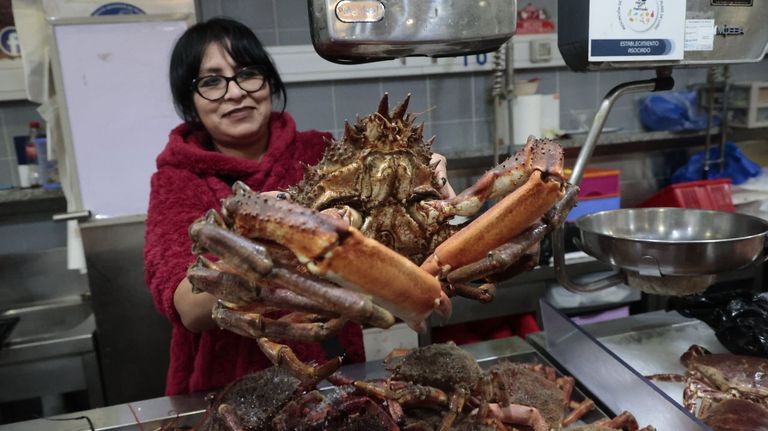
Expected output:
(214, 87)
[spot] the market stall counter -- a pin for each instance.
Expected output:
(624, 335)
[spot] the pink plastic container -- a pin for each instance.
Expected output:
(598, 191)
(599, 183)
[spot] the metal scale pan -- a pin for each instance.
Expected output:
(673, 248)
(673, 241)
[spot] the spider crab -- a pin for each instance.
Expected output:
(442, 387)
(712, 378)
(272, 399)
(364, 219)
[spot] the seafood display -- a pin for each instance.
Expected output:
(723, 385)
(365, 236)
(438, 387)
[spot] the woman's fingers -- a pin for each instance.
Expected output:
(441, 174)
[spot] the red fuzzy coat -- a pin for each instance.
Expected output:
(190, 180)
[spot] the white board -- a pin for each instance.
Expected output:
(116, 104)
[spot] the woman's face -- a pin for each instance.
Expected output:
(239, 119)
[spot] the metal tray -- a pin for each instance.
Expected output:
(658, 350)
(580, 351)
(649, 343)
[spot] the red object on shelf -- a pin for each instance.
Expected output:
(704, 194)
(533, 20)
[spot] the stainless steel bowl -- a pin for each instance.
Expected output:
(673, 241)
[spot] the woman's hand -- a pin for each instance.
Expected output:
(194, 308)
(441, 175)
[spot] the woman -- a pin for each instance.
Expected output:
(223, 85)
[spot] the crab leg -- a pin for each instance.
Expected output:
(281, 354)
(504, 221)
(501, 258)
(231, 417)
(254, 325)
(566, 385)
(541, 155)
(212, 277)
(679, 378)
(622, 421)
(404, 394)
(579, 411)
(520, 415)
(455, 405)
(333, 250)
(483, 293)
(234, 248)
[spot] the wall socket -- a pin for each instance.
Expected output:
(541, 50)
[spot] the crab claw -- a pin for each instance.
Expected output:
(533, 183)
(332, 249)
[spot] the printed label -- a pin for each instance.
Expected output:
(636, 30)
(700, 34)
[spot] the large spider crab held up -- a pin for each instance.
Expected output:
(363, 219)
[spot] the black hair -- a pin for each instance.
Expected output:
(239, 42)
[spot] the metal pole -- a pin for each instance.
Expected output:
(501, 105)
(724, 118)
(710, 113)
(662, 82)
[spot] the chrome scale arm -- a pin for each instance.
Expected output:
(662, 82)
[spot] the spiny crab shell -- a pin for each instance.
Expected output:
(377, 175)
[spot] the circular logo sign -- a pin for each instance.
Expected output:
(117, 9)
(9, 42)
(639, 15)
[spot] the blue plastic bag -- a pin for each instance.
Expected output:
(737, 166)
(674, 111)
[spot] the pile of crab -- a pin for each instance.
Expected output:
(438, 387)
(728, 392)
(367, 237)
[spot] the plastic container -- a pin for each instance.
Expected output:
(598, 191)
(599, 183)
(704, 194)
(589, 206)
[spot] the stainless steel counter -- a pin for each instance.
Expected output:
(650, 343)
(50, 351)
(641, 340)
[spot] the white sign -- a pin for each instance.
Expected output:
(636, 30)
(700, 34)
